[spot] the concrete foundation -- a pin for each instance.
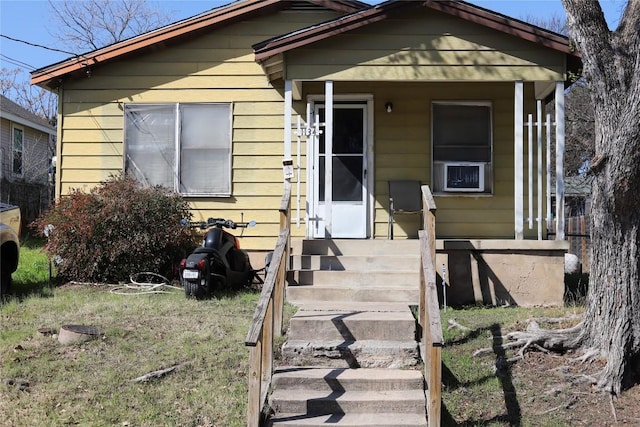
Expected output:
(498, 272)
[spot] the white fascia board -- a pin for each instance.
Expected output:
(24, 122)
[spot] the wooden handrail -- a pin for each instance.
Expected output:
(429, 310)
(267, 290)
(267, 318)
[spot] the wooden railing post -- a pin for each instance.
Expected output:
(254, 405)
(429, 226)
(268, 317)
(429, 316)
(267, 352)
(429, 209)
(285, 224)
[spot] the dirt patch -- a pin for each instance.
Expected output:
(541, 389)
(560, 391)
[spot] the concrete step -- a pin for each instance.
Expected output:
(351, 354)
(332, 325)
(387, 262)
(350, 420)
(338, 293)
(348, 397)
(320, 402)
(351, 306)
(365, 278)
(341, 379)
(366, 247)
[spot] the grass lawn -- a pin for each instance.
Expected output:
(91, 383)
(45, 383)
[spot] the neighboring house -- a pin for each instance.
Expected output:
(27, 143)
(578, 190)
(435, 91)
(577, 222)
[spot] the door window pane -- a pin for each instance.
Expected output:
(348, 131)
(348, 155)
(347, 179)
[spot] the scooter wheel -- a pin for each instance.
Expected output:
(193, 290)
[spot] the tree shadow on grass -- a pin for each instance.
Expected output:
(23, 290)
(513, 415)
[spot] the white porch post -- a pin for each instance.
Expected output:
(328, 158)
(518, 160)
(560, 160)
(539, 134)
(548, 169)
(287, 118)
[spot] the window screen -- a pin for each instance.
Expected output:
(186, 147)
(462, 137)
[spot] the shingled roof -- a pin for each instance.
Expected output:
(11, 111)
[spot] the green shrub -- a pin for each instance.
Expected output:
(116, 229)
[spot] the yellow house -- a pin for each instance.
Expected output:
(346, 96)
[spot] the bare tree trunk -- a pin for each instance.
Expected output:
(612, 69)
(612, 319)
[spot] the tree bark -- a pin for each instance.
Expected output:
(611, 66)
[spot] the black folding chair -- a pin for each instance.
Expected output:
(404, 198)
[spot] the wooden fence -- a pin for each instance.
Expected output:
(577, 230)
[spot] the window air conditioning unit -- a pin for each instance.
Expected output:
(464, 176)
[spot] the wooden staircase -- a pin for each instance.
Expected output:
(351, 357)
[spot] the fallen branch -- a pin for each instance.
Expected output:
(534, 336)
(491, 349)
(454, 324)
(156, 374)
(554, 391)
(566, 405)
(555, 320)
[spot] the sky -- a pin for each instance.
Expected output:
(29, 20)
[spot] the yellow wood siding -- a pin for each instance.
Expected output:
(218, 67)
(427, 46)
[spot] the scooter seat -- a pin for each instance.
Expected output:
(202, 250)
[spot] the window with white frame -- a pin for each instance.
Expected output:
(186, 147)
(17, 150)
(462, 147)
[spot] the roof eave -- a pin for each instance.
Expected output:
(502, 23)
(50, 76)
(27, 123)
(267, 49)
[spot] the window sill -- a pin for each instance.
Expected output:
(188, 196)
(461, 194)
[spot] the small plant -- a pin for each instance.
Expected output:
(116, 229)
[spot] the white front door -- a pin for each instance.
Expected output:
(349, 175)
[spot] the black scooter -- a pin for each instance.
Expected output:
(219, 263)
